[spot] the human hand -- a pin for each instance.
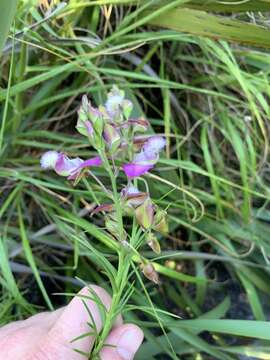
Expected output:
(48, 335)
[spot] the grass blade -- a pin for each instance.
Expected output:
(7, 12)
(200, 23)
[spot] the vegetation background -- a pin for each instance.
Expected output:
(199, 71)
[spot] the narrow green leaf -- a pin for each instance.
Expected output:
(216, 27)
(247, 328)
(7, 12)
(31, 260)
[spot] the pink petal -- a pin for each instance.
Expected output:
(134, 170)
(65, 166)
(96, 161)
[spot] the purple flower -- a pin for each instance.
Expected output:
(146, 158)
(133, 170)
(65, 166)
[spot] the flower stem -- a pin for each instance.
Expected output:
(123, 264)
(121, 279)
(115, 195)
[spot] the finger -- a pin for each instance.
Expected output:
(19, 337)
(18, 344)
(44, 320)
(122, 343)
(47, 319)
(73, 323)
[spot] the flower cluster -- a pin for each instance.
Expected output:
(109, 128)
(116, 138)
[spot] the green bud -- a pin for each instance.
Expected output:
(127, 107)
(112, 137)
(84, 127)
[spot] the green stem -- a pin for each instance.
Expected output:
(111, 315)
(115, 195)
(123, 264)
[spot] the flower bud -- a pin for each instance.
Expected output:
(89, 119)
(152, 241)
(114, 102)
(83, 111)
(145, 214)
(112, 137)
(127, 107)
(84, 127)
(150, 272)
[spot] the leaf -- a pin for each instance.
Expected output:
(200, 23)
(231, 6)
(7, 12)
(247, 328)
(31, 259)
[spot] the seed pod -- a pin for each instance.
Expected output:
(160, 221)
(145, 214)
(150, 272)
(152, 241)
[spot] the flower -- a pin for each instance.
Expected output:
(64, 166)
(132, 197)
(116, 104)
(114, 101)
(146, 158)
(133, 170)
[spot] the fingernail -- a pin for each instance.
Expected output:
(129, 343)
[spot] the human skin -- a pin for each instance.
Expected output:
(48, 335)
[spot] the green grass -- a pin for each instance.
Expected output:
(211, 100)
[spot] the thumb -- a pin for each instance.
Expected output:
(122, 343)
(74, 327)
